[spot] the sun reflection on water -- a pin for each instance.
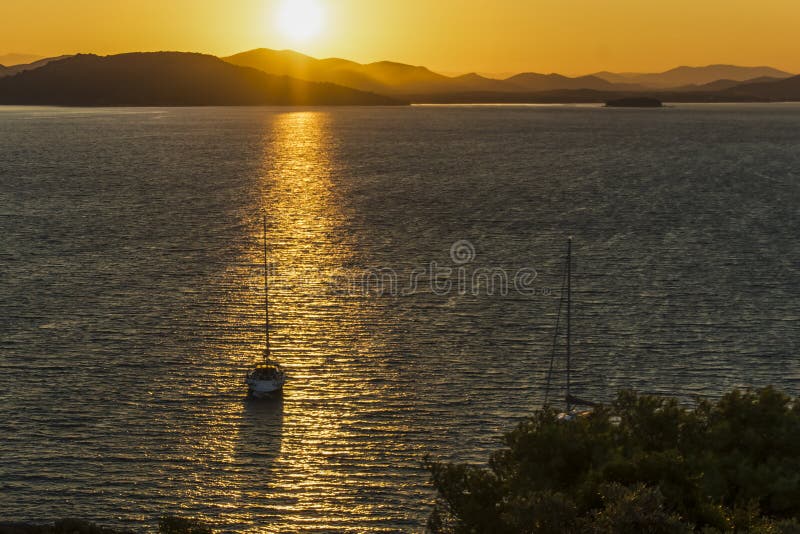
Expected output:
(312, 324)
(308, 454)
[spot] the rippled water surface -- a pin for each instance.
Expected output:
(131, 293)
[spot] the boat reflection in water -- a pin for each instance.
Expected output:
(256, 451)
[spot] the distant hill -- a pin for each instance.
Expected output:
(776, 91)
(531, 81)
(721, 85)
(168, 79)
(553, 88)
(477, 82)
(403, 80)
(386, 77)
(580, 96)
(685, 76)
(420, 84)
(10, 71)
(273, 77)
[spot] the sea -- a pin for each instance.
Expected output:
(416, 266)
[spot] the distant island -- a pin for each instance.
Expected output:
(287, 78)
(635, 102)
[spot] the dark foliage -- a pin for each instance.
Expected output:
(166, 525)
(182, 525)
(62, 526)
(643, 464)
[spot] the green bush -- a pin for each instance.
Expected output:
(642, 464)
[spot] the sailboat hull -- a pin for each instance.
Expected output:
(264, 388)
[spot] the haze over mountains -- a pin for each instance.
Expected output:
(264, 76)
(683, 76)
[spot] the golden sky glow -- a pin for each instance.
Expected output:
(500, 36)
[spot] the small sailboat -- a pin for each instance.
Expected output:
(574, 406)
(266, 379)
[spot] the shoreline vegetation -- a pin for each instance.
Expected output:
(639, 464)
(264, 77)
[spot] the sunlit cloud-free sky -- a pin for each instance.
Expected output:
(500, 36)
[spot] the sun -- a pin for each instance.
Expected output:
(300, 20)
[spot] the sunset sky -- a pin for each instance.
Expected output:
(500, 36)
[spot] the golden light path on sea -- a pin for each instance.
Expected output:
(310, 449)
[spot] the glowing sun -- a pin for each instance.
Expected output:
(300, 20)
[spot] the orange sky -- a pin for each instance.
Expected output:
(500, 36)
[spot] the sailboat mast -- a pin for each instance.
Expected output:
(569, 317)
(266, 294)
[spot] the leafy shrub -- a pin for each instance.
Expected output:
(642, 464)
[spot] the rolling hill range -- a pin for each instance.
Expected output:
(693, 76)
(385, 77)
(270, 77)
(419, 84)
(531, 81)
(399, 79)
(787, 89)
(168, 79)
(721, 85)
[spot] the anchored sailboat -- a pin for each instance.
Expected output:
(573, 403)
(269, 377)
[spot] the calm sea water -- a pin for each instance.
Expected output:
(131, 293)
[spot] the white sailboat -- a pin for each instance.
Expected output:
(266, 379)
(575, 407)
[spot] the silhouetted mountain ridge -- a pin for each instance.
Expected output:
(721, 85)
(686, 76)
(10, 71)
(531, 81)
(386, 77)
(393, 78)
(787, 89)
(168, 79)
(271, 77)
(420, 83)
